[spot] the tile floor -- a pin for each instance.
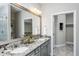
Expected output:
(63, 51)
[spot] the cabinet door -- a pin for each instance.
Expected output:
(31, 54)
(38, 54)
(49, 47)
(37, 51)
(44, 49)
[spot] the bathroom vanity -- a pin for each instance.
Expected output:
(41, 47)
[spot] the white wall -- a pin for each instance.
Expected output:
(49, 9)
(20, 21)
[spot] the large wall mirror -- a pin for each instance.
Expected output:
(21, 21)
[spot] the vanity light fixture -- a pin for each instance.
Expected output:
(32, 10)
(35, 10)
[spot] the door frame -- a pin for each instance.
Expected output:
(74, 29)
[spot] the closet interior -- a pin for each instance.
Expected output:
(63, 42)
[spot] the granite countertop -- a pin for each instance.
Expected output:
(9, 41)
(30, 47)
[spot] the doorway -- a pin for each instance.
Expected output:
(64, 42)
(28, 27)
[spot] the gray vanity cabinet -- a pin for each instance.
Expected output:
(42, 50)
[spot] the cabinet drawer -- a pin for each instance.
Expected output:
(31, 54)
(37, 50)
(38, 54)
(44, 44)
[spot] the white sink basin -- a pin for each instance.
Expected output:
(19, 50)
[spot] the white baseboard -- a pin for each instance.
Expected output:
(60, 45)
(69, 42)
